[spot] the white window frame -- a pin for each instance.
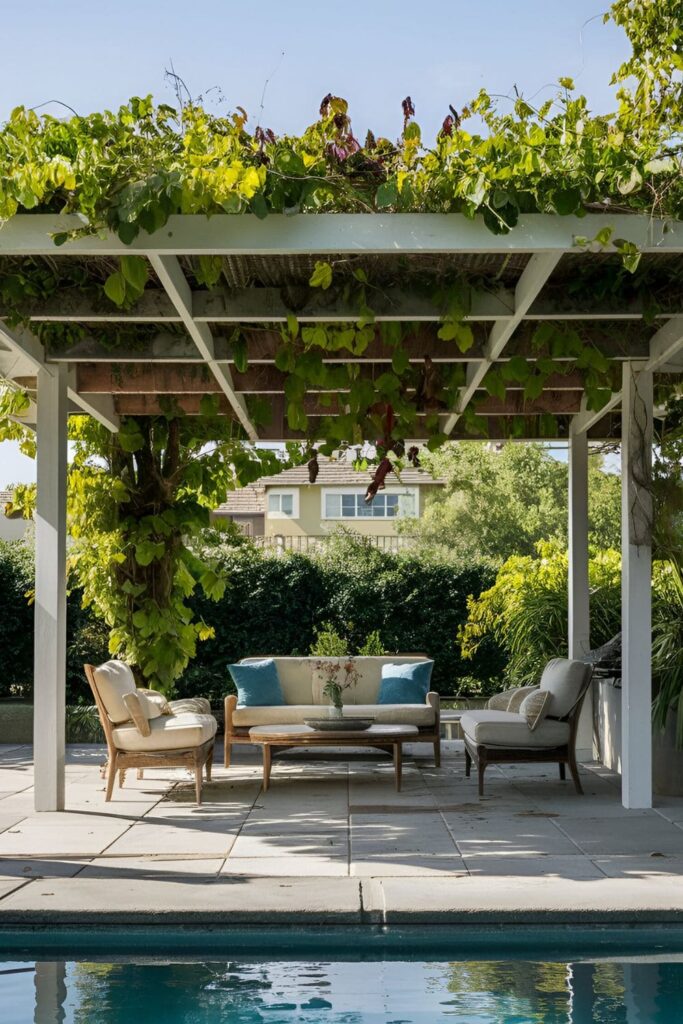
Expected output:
(283, 493)
(327, 491)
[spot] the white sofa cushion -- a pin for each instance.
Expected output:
(564, 678)
(508, 729)
(168, 732)
(294, 714)
(113, 679)
(295, 677)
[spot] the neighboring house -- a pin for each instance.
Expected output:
(10, 529)
(246, 507)
(298, 511)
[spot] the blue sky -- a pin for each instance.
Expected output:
(91, 55)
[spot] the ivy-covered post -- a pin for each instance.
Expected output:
(579, 593)
(49, 687)
(636, 586)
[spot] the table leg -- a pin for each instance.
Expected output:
(267, 763)
(398, 764)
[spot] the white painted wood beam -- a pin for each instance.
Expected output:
(529, 286)
(636, 586)
(23, 342)
(665, 345)
(339, 233)
(50, 592)
(171, 275)
(100, 407)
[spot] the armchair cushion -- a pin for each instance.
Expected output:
(505, 729)
(168, 732)
(154, 703)
(535, 707)
(133, 702)
(113, 680)
(509, 700)
(565, 680)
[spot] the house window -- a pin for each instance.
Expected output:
(351, 505)
(283, 505)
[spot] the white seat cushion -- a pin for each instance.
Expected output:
(294, 714)
(113, 679)
(168, 732)
(508, 729)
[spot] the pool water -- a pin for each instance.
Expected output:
(376, 990)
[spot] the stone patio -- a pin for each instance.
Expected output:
(530, 843)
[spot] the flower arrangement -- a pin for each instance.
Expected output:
(340, 676)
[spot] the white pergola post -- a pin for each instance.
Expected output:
(50, 600)
(636, 586)
(579, 593)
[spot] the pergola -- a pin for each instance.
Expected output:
(526, 277)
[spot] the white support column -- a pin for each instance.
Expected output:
(636, 586)
(50, 602)
(579, 593)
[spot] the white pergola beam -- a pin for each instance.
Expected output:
(665, 345)
(50, 591)
(100, 407)
(529, 286)
(318, 234)
(171, 275)
(24, 343)
(636, 586)
(266, 305)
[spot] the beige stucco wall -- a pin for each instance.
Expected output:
(309, 523)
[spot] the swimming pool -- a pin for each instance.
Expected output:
(629, 977)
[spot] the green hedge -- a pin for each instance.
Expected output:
(86, 635)
(273, 606)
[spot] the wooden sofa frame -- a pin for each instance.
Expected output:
(234, 735)
(562, 755)
(195, 758)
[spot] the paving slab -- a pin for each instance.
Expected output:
(150, 867)
(9, 884)
(299, 866)
(415, 864)
(438, 901)
(42, 867)
(232, 900)
(641, 866)
(573, 867)
(295, 844)
(508, 836)
(50, 841)
(155, 837)
(596, 837)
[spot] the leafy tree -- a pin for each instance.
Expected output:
(136, 499)
(499, 502)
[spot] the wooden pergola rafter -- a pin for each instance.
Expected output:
(186, 351)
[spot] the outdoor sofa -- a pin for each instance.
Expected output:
(302, 684)
(144, 730)
(530, 724)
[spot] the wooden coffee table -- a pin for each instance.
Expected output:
(382, 737)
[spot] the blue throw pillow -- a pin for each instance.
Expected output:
(257, 683)
(405, 684)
